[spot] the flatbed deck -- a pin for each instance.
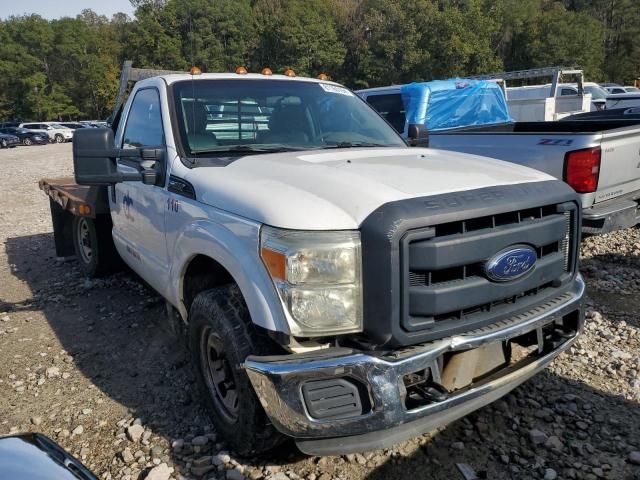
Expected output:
(67, 201)
(79, 200)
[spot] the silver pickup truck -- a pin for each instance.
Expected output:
(600, 159)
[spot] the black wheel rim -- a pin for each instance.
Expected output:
(218, 375)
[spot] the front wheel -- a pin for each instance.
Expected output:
(27, 141)
(3, 143)
(59, 138)
(221, 337)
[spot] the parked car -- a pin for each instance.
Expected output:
(55, 134)
(41, 128)
(33, 456)
(618, 89)
(631, 113)
(598, 94)
(93, 123)
(27, 137)
(609, 84)
(597, 159)
(334, 285)
(624, 100)
(9, 124)
(8, 140)
(67, 133)
(72, 125)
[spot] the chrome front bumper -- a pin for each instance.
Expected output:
(278, 382)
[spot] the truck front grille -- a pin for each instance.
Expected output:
(444, 287)
(424, 259)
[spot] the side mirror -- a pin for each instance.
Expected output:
(418, 135)
(94, 160)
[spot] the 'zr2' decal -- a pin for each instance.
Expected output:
(559, 142)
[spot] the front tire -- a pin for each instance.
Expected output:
(3, 143)
(27, 141)
(94, 246)
(221, 337)
(59, 138)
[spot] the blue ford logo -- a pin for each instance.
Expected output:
(510, 264)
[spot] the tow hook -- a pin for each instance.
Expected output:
(433, 392)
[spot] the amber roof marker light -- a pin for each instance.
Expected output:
(241, 70)
(195, 70)
(323, 76)
(289, 72)
(266, 71)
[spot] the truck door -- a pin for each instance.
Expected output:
(139, 209)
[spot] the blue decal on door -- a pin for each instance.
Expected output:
(127, 203)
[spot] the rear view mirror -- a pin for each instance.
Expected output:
(418, 135)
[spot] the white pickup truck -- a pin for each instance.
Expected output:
(334, 285)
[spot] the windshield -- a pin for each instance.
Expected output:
(57, 126)
(597, 93)
(632, 89)
(274, 115)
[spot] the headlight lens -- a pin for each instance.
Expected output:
(318, 278)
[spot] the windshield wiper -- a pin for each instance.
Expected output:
(248, 149)
(353, 145)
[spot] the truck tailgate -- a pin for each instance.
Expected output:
(619, 164)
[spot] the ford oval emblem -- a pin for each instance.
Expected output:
(511, 263)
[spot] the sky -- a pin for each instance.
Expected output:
(63, 8)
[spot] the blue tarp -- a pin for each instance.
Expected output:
(443, 104)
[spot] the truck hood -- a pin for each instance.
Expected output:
(337, 189)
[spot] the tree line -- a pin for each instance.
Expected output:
(69, 68)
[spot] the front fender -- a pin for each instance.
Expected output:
(234, 244)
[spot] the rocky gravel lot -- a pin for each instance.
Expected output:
(91, 364)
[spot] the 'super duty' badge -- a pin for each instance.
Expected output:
(512, 263)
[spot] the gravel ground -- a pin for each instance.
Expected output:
(92, 365)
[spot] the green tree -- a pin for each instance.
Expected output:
(298, 34)
(459, 38)
(567, 38)
(216, 36)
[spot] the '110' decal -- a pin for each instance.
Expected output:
(173, 205)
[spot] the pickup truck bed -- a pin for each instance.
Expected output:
(545, 146)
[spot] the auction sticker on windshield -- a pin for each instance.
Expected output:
(336, 89)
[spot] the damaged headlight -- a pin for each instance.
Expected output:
(318, 277)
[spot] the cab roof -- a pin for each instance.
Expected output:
(172, 78)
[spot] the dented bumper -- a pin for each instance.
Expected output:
(338, 401)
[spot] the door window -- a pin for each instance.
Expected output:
(144, 124)
(390, 106)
